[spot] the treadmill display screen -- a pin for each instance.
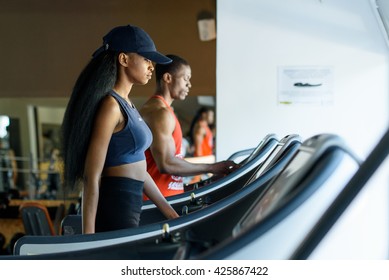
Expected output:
(280, 187)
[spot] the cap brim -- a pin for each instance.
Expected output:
(156, 57)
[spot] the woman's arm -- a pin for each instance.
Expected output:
(107, 119)
(155, 195)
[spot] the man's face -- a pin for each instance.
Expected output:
(180, 85)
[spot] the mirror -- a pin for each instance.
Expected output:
(33, 131)
(9, 149)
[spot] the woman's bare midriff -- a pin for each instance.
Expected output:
(136, 170)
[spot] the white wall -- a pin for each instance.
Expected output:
(255, 37)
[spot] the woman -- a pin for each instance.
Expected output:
(201, 134)
(104, 137)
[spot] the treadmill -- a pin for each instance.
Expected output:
(233, 205)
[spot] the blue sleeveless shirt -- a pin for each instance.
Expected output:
(129, 144)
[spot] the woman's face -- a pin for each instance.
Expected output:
(210, 117)
(180, 83)
(139, 69)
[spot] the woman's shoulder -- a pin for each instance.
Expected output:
(109, 103)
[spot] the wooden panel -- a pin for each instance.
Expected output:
(59, 38)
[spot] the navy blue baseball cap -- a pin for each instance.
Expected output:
(131, 38)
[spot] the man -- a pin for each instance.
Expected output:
(164, 158)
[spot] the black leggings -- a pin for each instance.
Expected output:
(120, 203)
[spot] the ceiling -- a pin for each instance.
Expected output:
(45, 44)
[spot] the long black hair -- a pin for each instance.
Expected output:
(96, 79)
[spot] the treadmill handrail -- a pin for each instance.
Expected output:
(344, 199)
(186, 196)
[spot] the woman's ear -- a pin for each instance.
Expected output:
(123, 59)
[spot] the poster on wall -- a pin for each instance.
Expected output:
(310, 85)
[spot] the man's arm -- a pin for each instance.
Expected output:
(162, 125)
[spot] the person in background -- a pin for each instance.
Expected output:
(53, 175)
(164, 157)
(8, 167)
(200, 132)
(202, 138)
(104, 137)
